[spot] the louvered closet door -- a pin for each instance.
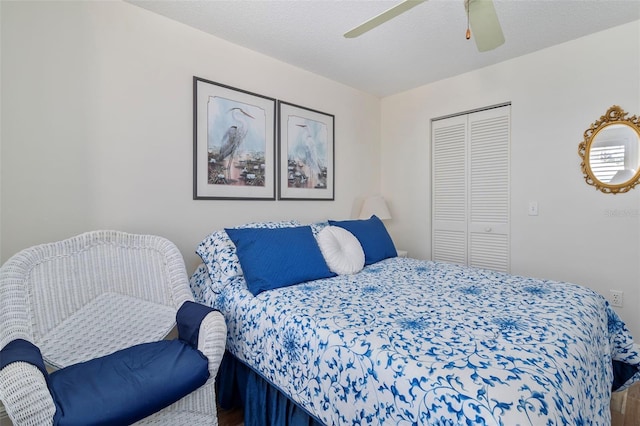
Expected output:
(489, 189)
(470, 216)
(449, 212)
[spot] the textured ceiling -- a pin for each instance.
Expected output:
(425, 44)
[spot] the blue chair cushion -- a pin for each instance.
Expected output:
(128, 385)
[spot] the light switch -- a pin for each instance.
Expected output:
(533, 208)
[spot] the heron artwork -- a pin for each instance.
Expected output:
(304, 155)
(233, 138)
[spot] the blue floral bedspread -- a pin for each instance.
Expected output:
(412, 342)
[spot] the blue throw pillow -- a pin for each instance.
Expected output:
(373, 237)
(128, 385)
(273, 258)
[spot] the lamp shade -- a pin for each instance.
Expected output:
(374, 205)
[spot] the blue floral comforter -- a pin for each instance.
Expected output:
(412, 342)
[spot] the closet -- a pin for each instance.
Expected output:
(470, 188)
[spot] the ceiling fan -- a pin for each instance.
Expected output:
(481, 17)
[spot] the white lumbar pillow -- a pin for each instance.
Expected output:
(341, 250)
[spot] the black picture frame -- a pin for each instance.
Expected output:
(234, 145)
(306, 153)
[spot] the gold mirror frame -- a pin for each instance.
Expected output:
(614, 115)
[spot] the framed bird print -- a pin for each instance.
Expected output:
(233, 143)
(306, 158)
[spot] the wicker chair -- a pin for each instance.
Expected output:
(92, 295)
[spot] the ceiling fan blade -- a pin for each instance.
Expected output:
(382, 18)
(484, 23)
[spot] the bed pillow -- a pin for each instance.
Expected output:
(219, 254)
(341, 250)
(373, 237)
(274, 258)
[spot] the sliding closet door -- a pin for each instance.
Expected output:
(470, 222)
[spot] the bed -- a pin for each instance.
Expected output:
(409, 342)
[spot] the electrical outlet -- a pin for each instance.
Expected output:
(616, 298)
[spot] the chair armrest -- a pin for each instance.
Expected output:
(25, 395)
(24, 390)
(213, 339)
(205, 329)
(23, 350)
(188, 320)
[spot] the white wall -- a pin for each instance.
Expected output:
(580, 235)
(97, 133)
(97, 114)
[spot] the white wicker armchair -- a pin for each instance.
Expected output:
(92, 295)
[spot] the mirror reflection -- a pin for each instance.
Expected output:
(611, 152)
(613, 155)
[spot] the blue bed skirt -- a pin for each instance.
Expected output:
(238, 386)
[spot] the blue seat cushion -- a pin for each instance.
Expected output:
(127, 385)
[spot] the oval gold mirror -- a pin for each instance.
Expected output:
(610, 152)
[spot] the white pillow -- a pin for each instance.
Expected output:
(341, 250)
